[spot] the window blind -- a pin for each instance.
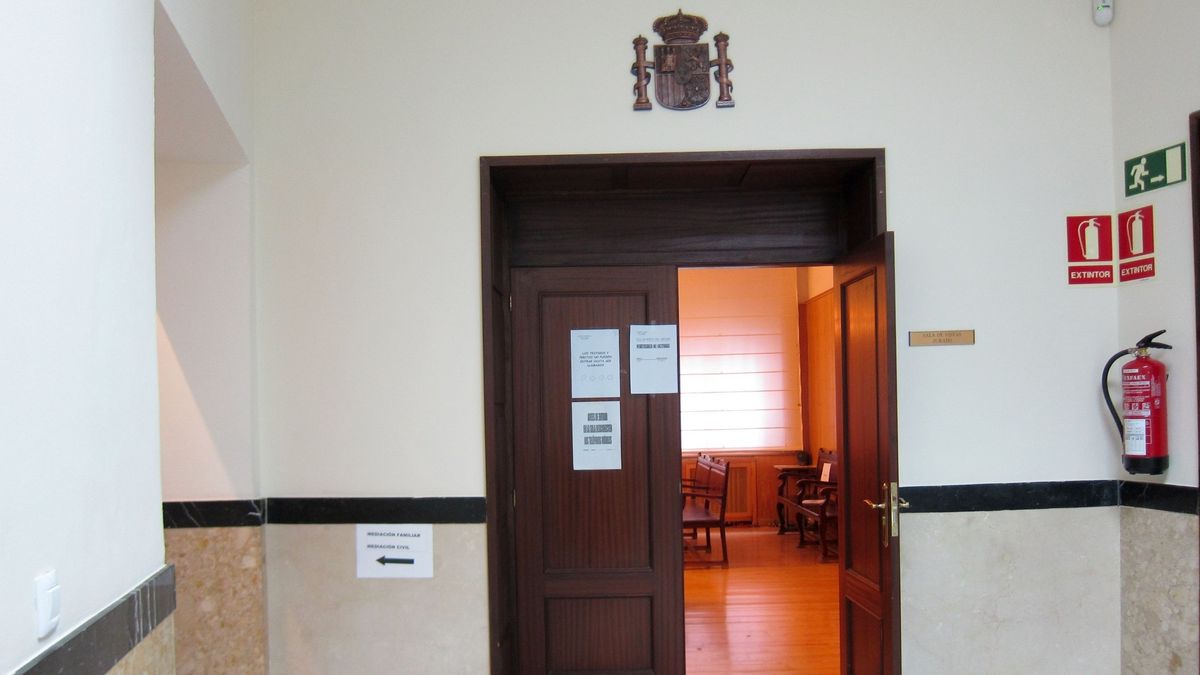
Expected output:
(739, 363)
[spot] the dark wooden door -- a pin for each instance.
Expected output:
(599, 561)
(866, 423)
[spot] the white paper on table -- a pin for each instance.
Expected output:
(654, 359)
(596, 435)
(596, 363)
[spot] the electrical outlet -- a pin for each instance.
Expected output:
(46, 602)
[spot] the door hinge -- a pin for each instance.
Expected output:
(514, 499)
(510, 303)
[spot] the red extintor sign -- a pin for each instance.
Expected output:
(1137, 269)
(1135, 244)
(1089, 239)
(1089, 250)
(1089, 274)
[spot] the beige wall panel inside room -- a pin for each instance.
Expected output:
(322, 619)
(820, 362)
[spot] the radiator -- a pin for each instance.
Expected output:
(741, 495)
(739, 506)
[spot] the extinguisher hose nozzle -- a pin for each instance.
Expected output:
(1149, 343)
(1112, 409)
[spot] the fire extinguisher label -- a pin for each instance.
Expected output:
(1135, 436)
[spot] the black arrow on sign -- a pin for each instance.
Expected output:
(384, 560)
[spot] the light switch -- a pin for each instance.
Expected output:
(46, 602)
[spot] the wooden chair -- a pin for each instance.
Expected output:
(700, 476)
(697, 482)
(704, 502)
(818, 505)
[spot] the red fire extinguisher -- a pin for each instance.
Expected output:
(1143, 419)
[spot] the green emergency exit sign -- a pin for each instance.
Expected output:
(1154, 170)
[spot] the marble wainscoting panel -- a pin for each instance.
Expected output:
(1160, 581)
(220, 618)
(1028, 591)
(323, 619)
(154, 655)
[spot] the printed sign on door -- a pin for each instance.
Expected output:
(1135, 244)
(1089, 249)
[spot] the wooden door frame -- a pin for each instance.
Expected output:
(1194, 139)
(861, 217)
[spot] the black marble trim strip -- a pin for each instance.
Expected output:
(341, 510)
(323, 511)
(922, 499)
(97, 646)
(1161, 497)
(1010, 496)
(233, 513)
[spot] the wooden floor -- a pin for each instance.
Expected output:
(773, 610)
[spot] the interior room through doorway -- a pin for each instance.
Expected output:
(756, 389)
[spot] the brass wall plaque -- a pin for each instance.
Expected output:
(940, 338)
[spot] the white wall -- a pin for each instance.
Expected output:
(204, 72)
(1155, 68)
(206, 331)
(218, 35)
(79, 490)
(371, 118)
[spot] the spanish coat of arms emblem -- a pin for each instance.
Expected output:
(681, 65)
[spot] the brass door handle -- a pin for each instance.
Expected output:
(902, 502)
(873, 505)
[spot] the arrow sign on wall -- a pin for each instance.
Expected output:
(393, 551)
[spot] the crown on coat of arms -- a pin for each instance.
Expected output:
(680, 28)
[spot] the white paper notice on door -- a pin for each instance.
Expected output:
(596, 363)
(596, 435)
(654, 359)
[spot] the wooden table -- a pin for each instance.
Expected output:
(785, 499)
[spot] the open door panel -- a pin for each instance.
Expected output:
(865, 339)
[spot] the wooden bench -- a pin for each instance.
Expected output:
(704, 501)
